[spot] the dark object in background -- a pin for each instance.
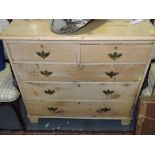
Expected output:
(10, 20)
(2, 59)
(16, 107)
(152, 21)
(2, 55)
(146, 118)
(66, 26)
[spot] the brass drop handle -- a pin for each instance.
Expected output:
(103, 110)
(108, 92)
(52, 108)
(46, 73)
(111, 73)
(114, 55)
(43, 54)
(50, 92)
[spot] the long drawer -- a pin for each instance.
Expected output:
(78, 109)
(43, 52)
(116, 53)
(80, 91)
(57, 72)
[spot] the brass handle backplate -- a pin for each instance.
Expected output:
(108, 92)
(103, 110)
(111, 73)
(50, 92)
(115, 55)
(46, 73)
(43, 54)
(52, 108)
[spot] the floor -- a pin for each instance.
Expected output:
(9, 121)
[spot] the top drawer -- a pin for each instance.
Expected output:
(43, 52)
(116, 53)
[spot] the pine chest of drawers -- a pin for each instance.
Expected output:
(95, 73)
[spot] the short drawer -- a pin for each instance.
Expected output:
(80, 91)
(57, 72)
(116, 53)
(78, 109)
(43, 52)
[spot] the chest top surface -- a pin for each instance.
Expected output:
(96, 30)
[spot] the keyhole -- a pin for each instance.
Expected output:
(42, 46)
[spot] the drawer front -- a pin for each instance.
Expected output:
(80, 91)
(43, 52)
(116, 53)
(78, 109)
(55, 72)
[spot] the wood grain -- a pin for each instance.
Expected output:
(70, 72)
(97, 30)
(79, 91)
(129, 53)
(75, 74)
(57, 52)
(77, 109)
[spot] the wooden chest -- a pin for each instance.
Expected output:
(95, 73)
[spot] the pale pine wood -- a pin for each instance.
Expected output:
(97, 30)
(68, 72)
(78, 109)
(74, 64)
(93, 42)
(57, 52)
(80, 91)
(61, 52)
(130, 53)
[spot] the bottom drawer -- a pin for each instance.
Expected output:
(78, 109)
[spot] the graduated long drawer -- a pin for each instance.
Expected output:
(43, 52)
(116, 53)
(64, 72)
(78, 109)
(80, 91)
